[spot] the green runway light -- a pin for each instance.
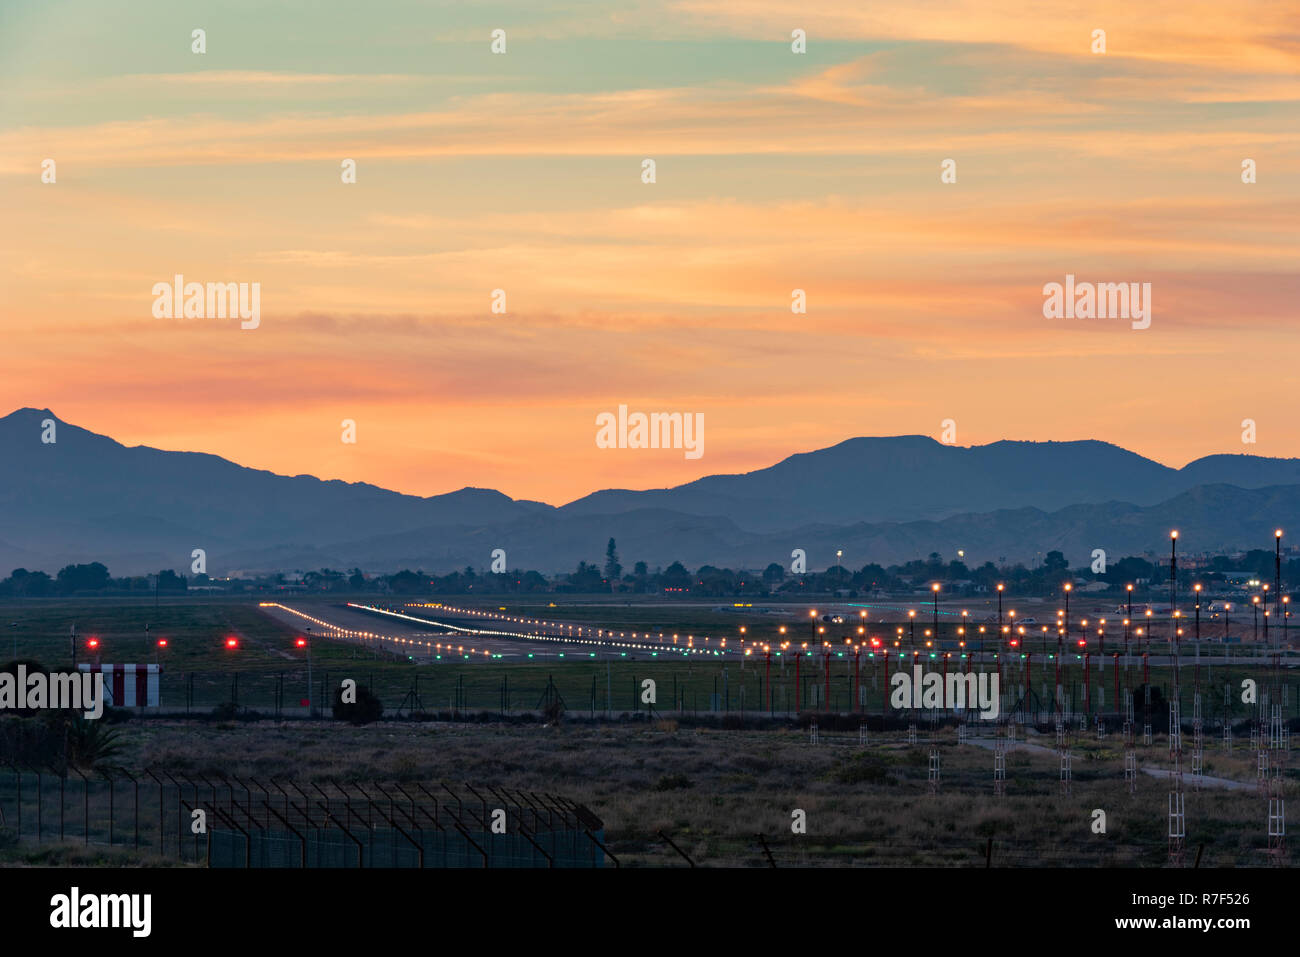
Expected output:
(530, 654)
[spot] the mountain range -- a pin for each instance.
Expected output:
(86, 497)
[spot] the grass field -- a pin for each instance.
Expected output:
(712, 791)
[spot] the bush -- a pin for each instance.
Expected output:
(861, 769)
(365, 709)
(90, 743)
(673, 782)
(57, 739)
(553, 711)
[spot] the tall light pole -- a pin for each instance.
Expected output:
(934, 589)
(1128, 617)
(1277, 568)
(1264, 608)
(307, 644)
(1000, 587)
(1067, 588)
(1173, 578)
(1197, 589)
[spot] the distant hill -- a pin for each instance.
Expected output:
(87, 497)
(911, 477)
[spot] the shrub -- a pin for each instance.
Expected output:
(860, 770)
(553, 711)
(226, 711)
(365, 709)
(90, 743)
(673, 782)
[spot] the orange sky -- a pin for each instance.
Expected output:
(775, 171)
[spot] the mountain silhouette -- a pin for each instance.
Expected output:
(87, 497)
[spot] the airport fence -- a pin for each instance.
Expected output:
(618, 690)
(228, 821)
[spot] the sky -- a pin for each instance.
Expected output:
(522, 171)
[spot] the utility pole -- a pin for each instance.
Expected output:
(310, 709)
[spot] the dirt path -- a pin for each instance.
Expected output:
(1204, 780)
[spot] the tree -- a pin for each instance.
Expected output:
(74, 578)
(405, 582)
(774, 573)
(1055, 563)
(23, 582)
(675, 576)
(586, 578)
(612, 567)
(169, 581)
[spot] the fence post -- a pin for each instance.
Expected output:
(85, 806)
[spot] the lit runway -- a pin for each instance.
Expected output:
(446, 633)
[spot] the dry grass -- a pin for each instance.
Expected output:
(713, 791)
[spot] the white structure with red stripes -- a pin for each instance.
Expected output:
(128, 686)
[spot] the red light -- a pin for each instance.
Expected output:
(162, 642)
(232, 642)
(1014, 643)
(1081, 642)
(93, 643)
(302, 642)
